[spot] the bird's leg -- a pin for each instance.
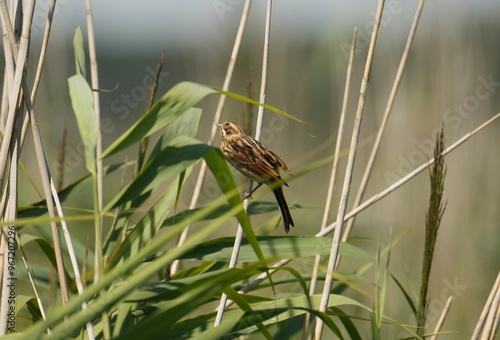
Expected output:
(247, 195)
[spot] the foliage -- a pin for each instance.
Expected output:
(139, 301)
(129, 288)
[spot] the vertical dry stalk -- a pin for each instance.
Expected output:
(488, 323)
(94, 78)
(248, 117)
(260, 114)
(488, 310)
(442, 317)
(348, 176)
(333, 175)
(72, 255)
(218, 114)
(388, 109)
(43, 49)
(67, 236)
(39, 69)
(493, 320)
(99, 175)
(45, 174)
(20, 52)
(433, 218)
(265, 64)
(41, 63)
(4, 106)
(14, 55)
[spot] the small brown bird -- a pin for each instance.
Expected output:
(257, 162)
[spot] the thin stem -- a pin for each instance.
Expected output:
(98, 184)
(41, 63)
(232, 263)
(258, 130)
(217, 116)
(265, 65)
(19, 55)
(21, 52)
(333, 174)
(8, 250)
(72, 255)
(486, 308)
(71, 252)
(46, 179)
(332, 261)
(491, 323)
(388, 110)
(340, 131)
(43, 50)
(95, 85)
(33, 285)
(442, 317)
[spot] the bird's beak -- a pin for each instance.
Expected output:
(218, 124)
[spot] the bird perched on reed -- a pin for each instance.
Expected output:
(256, 162)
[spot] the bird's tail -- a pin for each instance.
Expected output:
(285, 212)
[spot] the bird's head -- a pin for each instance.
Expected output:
(229, 128)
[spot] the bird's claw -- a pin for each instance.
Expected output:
(246, 195)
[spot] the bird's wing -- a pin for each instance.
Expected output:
(255, 158)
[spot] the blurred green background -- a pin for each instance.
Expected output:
(452, 78)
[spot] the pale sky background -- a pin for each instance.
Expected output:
(149, 23)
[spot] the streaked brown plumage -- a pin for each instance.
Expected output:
(257, 162)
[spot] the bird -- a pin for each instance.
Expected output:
(257, 162)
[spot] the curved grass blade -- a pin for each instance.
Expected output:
(83, 105)
(191, 298)
(175, 102)
(276, 247)
(146, 228)
(254, 208)
(79, 52)
(182, 153)
(185, 125)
